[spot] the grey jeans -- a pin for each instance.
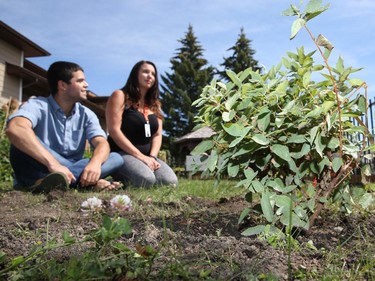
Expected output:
(138, 174)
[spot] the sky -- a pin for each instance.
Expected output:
(107, 37)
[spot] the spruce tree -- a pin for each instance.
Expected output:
(184, 85)
(242, 57)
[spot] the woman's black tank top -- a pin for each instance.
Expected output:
(133, 127)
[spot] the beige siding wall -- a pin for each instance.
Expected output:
(9, 85)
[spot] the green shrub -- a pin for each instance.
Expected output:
(6, 172)
(289, 139)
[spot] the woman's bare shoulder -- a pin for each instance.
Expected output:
(118, 93)
(118, 96)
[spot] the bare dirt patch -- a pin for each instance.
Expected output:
(208, 236)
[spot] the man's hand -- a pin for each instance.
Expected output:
(91, 174)
(60, 168)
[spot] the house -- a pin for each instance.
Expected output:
(20, 78)
(189, 141)
(186, 145)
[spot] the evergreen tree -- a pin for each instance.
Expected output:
(184, 85)
(242, 57)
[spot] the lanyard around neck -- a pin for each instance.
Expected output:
(147, 125)
(145, 113)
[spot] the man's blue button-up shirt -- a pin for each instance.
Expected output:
(65, 135)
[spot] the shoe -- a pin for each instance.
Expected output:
(50, 182)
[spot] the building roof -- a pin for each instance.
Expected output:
(34, 78)
(15, 38)
(201, 133)
(24, 73)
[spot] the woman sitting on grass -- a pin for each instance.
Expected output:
(135, 124)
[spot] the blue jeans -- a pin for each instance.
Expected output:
(138, 174)
(27, 170)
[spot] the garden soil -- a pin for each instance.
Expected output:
(208, 236)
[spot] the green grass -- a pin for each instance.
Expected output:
(197, 188)
(166, 201)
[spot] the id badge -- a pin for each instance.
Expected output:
(147, 130)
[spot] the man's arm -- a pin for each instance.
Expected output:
(91, 173)
(22, 136)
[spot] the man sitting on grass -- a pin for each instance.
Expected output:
(48, 137)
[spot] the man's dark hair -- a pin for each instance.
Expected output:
(61, 70)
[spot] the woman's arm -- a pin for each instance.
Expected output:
(157, 140)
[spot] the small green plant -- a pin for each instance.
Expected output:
(289, 139)
(107, 257)
(6, 172)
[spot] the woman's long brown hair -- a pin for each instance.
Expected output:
(132, 94)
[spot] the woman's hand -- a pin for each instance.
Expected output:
(151, 162)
